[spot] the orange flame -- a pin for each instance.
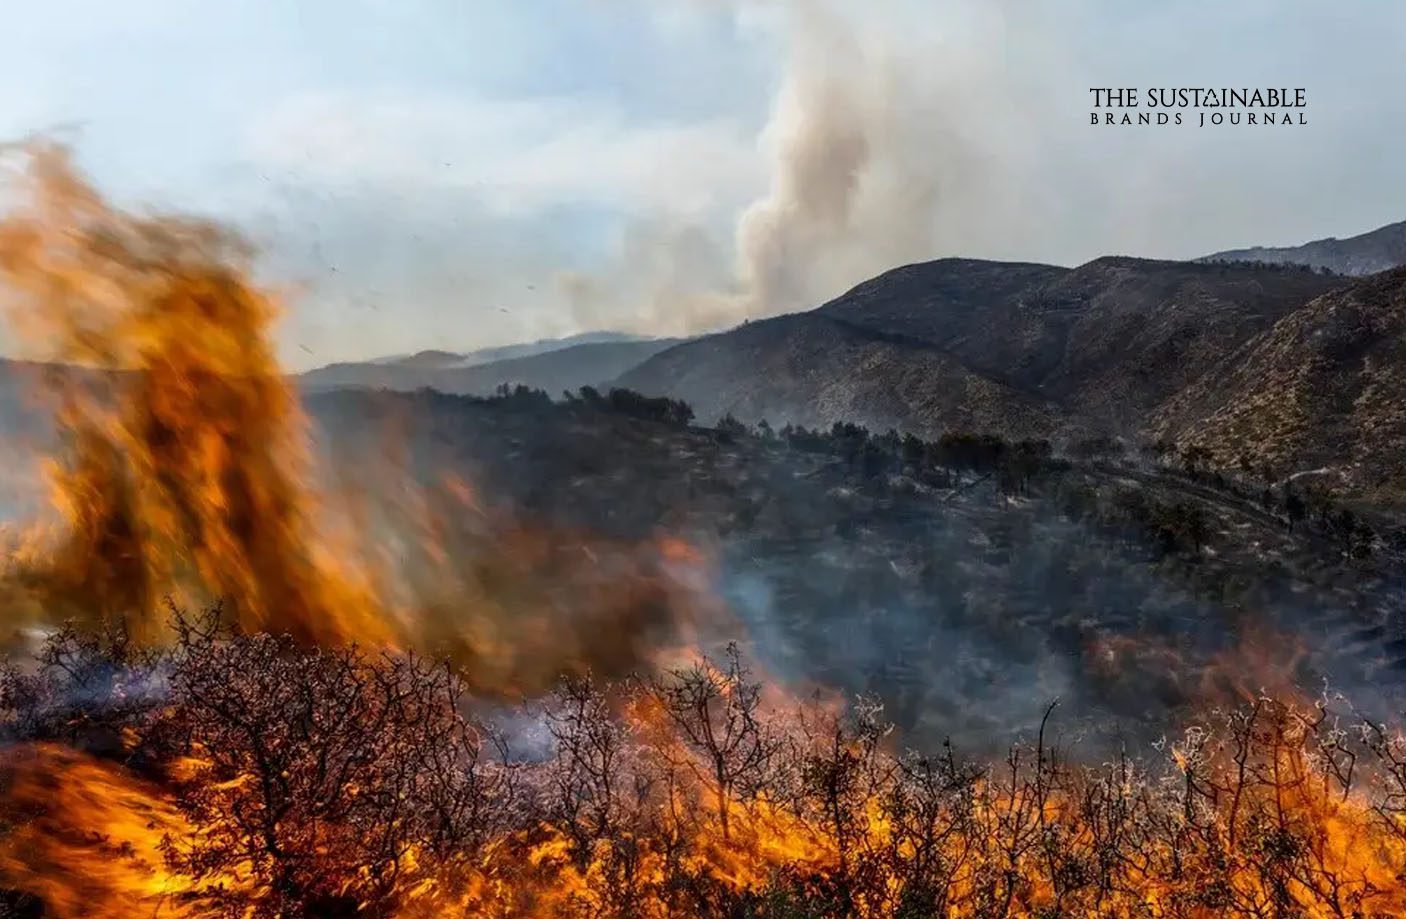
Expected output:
(87, 837)
(185, 470)
(183, 465)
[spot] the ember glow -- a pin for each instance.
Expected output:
(292, 751)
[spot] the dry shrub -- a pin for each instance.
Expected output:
(324, 782)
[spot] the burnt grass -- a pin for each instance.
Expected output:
(966, 582)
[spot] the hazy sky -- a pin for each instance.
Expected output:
(450, 173)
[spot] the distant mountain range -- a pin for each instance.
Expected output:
(451, 360)
(553, 365)
(1379, 250)
(1262, 364)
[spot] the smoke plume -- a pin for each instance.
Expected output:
(865, 152)
(847, 193)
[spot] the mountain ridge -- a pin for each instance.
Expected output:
(1045, 349)
(1356, 256)
(571, 367)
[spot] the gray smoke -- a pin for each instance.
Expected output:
(875, 158)
(852, 189)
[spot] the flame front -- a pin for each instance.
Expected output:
(643, 820)
(182, 465)
(307, 763)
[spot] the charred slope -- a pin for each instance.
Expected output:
(1013, 348)
(1378, 250)
(1323, 388)
(1115, 338)
(965, 585)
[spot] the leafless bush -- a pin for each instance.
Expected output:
(717, 715)
(321, 782)
(599, 791)
(82, 687)
(330, 774)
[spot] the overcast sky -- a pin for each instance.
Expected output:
(453, 174)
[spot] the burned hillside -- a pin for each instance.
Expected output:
(966, 580)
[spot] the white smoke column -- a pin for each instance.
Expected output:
(879, 151)
(856, 170)
(821, 151)
(673, 275)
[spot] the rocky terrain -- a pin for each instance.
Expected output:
(1322, 392)
(1378, 250)
(1013, 348)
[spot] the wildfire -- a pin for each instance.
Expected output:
(86, 837)
(683, 794)
(184, 470)
(182, 465)
(291, 754)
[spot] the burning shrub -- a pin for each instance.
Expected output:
(599, 793)
(295, 781)
(715, 716)
(327, 776)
